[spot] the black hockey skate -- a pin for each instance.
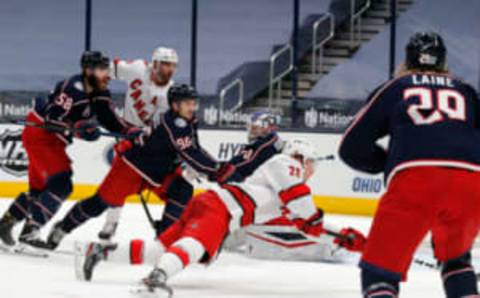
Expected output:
(155, 282)
(30, 235)
(56, 236)
(6, 226)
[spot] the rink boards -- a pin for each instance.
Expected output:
(336, 187)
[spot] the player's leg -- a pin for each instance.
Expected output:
(20, 207)
(201, 238)
(455, 231)
(402, 220)
(120, 182)
(111, 224)
(176, 192)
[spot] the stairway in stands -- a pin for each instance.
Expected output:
(336, 51)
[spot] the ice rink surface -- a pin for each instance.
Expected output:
(231, 276)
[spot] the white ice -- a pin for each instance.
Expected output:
(232, 276)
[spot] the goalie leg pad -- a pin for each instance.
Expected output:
(58, 188)
(459, 278)
(83, 211)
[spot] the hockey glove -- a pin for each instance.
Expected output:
(123, 146)
(138, 135)
(312, 226)
(86, 130)
(351, 240)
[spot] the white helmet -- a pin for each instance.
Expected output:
(162, 54)
(300, 147)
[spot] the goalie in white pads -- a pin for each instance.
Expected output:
(148, 85)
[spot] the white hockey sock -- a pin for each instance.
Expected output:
(113, 216)
(182, 253)
(137, 252)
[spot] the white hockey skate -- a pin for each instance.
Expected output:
(87, 256)
(154, 286)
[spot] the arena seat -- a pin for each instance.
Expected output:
(356, 78)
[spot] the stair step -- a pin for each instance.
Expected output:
(340, 43)
(386, 6)
(384, 14)
(372, 28)
(364, 37)
(339, 52)
(287, 93)
(373, 21)
(304, 85)
(308, 76)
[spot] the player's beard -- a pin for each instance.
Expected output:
(97, 84)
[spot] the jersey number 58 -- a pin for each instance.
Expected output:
(443, 104)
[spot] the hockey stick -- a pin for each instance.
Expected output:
(416, 260)
(62, 129)
(326, 158)
(146, 209)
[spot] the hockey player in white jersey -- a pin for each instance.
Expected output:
(148, 85)
(277, 188)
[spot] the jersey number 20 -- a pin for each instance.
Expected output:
(443, 103)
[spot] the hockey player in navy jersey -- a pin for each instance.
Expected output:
(153, 162)
(72, 104)
(431, 169)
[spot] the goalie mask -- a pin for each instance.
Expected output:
(260, 124)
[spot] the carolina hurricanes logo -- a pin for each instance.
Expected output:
(184, 143)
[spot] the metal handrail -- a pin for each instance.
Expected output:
(318, 45)
(355, 19)
(224, 91)
(278, 78)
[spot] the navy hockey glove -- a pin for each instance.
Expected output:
(138, 135)
(86, 130)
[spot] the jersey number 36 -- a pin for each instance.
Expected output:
(433, 107)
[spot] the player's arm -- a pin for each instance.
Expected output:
(359, 148)
(59, 105)
(126, 70)
(254, 155)
(106, 115)
(181, 137)
(285, 176)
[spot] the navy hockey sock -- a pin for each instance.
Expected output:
(179, 194)
(459, 278)
(19, 209)
(49, 201)
(379, 283)
(83, 211)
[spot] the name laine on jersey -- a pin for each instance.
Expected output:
(426, 79)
